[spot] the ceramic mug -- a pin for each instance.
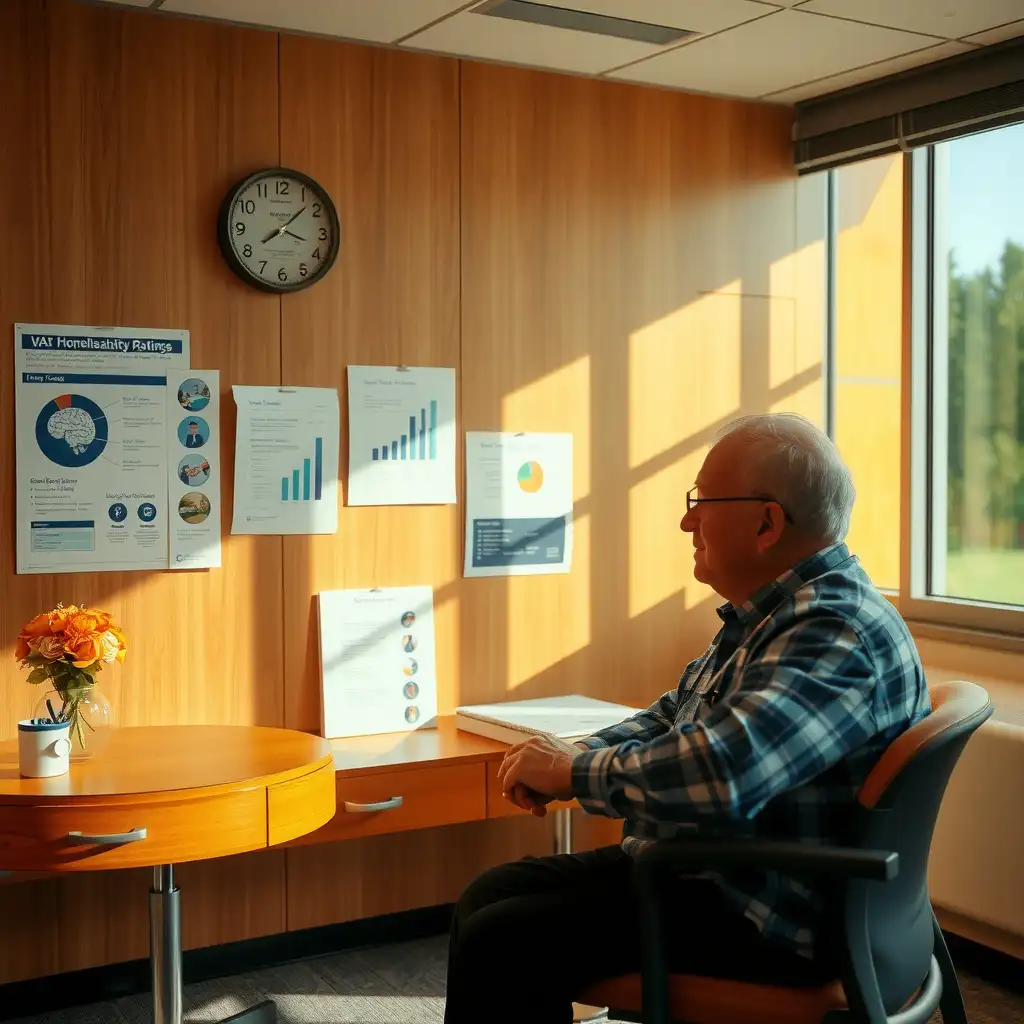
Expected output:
(43, 748)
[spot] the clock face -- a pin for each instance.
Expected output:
(279, 230)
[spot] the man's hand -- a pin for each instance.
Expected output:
(536, 772)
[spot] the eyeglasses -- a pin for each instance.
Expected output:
(691, 501)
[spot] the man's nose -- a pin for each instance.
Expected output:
(688, 524)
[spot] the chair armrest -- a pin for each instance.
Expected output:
(771, 855)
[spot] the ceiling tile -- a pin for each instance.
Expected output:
(998, 35)
(774, 53)
(869, 73)
(380, 21)
(950, 19)
(514, 42)
(696, 15)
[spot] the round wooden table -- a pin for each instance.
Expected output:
(162, 795)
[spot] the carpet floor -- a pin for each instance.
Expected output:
(396, 984)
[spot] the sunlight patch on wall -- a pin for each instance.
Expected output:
(684, 373)
(660, 554)
(558, 402)
(548, 617)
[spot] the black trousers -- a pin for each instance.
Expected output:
(529, 936)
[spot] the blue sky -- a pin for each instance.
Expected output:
(986, 195)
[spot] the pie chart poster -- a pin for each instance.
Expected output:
(91, 415)
(518, 504)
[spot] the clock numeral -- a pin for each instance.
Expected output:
(322, 235)
(302, 270)
(316, 209)
(247, 205)
(261, 189)
(303, 193)
(282, 275)
(239, 228)
(263, 266)
(316, 253)
(247, 250)
(282, 188)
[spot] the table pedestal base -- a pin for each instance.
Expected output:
(581, 1013)
(165, 957)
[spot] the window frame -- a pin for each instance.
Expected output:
(924, 401)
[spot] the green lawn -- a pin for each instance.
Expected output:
(985, 575)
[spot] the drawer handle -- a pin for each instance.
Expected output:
(381, 805)
(106, 839)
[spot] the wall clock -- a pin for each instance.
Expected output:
(279, 230)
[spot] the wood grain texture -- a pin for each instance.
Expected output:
(380, 131)
(628, 275)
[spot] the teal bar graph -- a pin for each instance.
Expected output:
(418, 442)
(311, 476)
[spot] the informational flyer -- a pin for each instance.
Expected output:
(286, 460)
(377, 661)
(91, 426)
(401, 435)
(518, 504)
(194, 469)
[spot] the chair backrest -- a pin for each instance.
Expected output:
(892, 922)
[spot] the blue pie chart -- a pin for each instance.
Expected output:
(71, 430)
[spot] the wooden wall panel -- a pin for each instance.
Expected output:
(380, 130)
(129, 129)
(628, 275)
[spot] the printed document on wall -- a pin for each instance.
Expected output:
(401, 435)
(286, 460)
(377, 662)
(518, 504)
(91, 428)
(194, 468)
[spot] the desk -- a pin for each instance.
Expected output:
(165, 795)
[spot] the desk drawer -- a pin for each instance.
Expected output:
(499, 807)
(404, 800)
(36, 837)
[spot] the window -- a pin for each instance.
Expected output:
(966, 523)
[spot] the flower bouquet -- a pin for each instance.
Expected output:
(68, 647)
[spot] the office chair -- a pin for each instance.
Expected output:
(893, 964)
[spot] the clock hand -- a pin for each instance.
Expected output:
(292, 233)
(283, 228)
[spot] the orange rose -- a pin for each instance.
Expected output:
(84, 650)
(60, 615)
(39, 626)
(84, 623)
(21, 649)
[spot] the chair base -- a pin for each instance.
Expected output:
(261, 1013)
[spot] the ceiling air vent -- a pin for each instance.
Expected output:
(583, 21)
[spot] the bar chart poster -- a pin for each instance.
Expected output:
(518, 504)
(401, 435)
(286, 460)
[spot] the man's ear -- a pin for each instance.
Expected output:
(773, 522)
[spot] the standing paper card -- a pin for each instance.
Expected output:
(401, 435)
(286, 460)
(518, 504)
(377, 660)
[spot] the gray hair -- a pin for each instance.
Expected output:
(792, 461)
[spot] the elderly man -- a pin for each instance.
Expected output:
(770, 732)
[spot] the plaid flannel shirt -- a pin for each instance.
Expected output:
(770, 733)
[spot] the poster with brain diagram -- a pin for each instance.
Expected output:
(93, 458)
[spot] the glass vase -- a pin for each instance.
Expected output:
(91, 716)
